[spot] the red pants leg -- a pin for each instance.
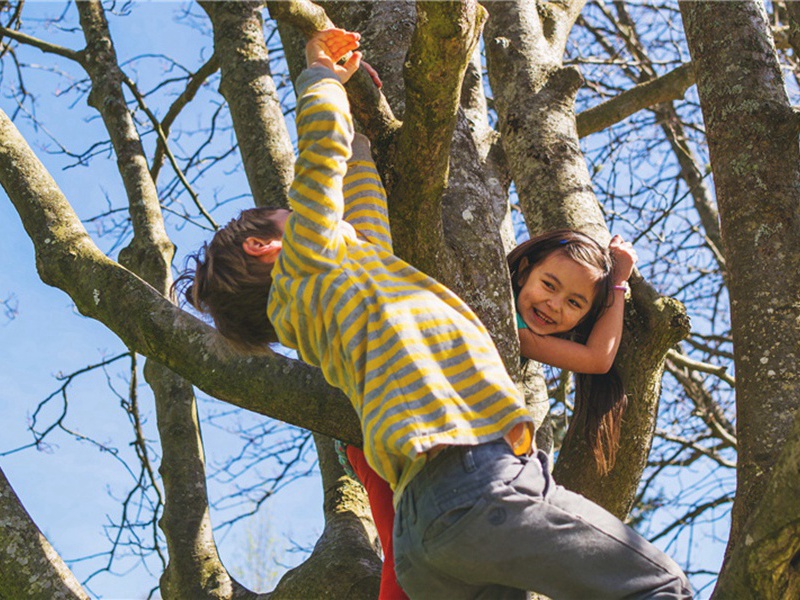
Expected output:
(380, 503)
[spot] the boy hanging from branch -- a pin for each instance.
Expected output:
(443, 424)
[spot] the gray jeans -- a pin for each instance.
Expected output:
(479, 522)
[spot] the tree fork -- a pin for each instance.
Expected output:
(534, 97)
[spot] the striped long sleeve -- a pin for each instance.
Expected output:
(364, 197)
(418, 366)
(313, 240)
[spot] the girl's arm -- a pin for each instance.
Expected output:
(597, 355)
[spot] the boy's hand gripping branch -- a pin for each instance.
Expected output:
(327, 48)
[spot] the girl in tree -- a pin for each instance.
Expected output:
(569, 294)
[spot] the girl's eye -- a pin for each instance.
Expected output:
(575, 304)
(548, 285)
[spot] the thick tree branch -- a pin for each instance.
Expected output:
(44, 46)
(368, 104)
(671, 86)
(534, 97)
(29, 566)
(151, 249)
(442, 46)
(194, 569)
(344, 563)
(250, 92)
(148, 323)
(653, 324)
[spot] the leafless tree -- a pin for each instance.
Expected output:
(594, 117)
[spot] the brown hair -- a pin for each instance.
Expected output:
(229, 284)
(600, 399)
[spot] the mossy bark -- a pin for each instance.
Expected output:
(252, 98)
(147, 322)
(29, 566)
(194, 568)
(534, 96)
(344, 563)
(756, 167)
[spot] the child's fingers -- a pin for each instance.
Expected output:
(339, 42)
(372, 73)
(351, 66)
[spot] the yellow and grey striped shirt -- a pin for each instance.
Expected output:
(415, 361)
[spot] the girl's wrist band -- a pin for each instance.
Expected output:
(623, 288)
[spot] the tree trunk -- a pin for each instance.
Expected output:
(756, 167)
(344, 563)
(252, 98)
(534, 97)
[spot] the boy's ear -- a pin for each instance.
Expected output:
(263, 250)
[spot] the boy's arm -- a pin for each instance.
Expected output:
(364, 197)
(312, 239)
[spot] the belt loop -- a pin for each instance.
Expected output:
(468, 459)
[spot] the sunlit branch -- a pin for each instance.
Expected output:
(24, 38)
(696, 365)
(671, 86)
(369, 105)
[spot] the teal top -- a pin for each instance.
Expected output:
(520, 323)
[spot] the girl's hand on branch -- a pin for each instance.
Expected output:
(624, 258)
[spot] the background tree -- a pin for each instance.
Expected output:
(591, 116)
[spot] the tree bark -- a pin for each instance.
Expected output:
(671, 86)
(441, 47)
(29, 566)
(756, 167)
(250, 92)
(147, 322)
(194, 569)
(344, 563)
(534, 97)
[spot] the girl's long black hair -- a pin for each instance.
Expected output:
(600, 400)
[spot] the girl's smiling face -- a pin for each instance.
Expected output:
(557, 294)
